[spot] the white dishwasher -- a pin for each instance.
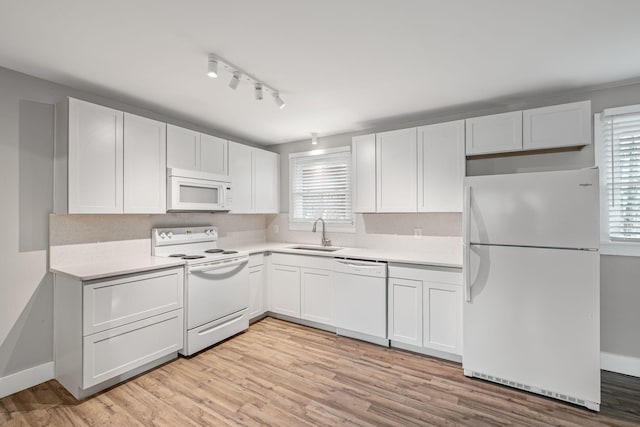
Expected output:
(360, 299)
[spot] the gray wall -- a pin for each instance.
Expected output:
(26, 160)
(620, 276)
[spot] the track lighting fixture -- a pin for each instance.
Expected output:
(235, 80)
(279, 102)
(212, 69)
(314, 138)
(238, 75)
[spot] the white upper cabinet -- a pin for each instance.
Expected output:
(213, 154)
(116, 161)
(183, 148)
(396, 171)
(241, 173)
(145, 169)
(95, 162)
(266, 181)
(494, 134)
(441, 167)
(255, 179)
(563, 125)
(363, 159)
(188, 149)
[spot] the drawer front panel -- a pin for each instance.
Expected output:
(116, 351)
(113, 303)
(426, 273)
(256, 259)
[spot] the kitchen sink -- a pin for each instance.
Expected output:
(316, 248)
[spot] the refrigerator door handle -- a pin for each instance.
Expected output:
(467, 272)
(466, 224)
(466, 214)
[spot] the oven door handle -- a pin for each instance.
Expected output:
(219, 265)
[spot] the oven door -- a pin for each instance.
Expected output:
(216, 290)
(192, 194)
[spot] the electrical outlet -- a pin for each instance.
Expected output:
(417, 233)
(276, 228)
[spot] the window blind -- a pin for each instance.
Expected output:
(621, 138)
(321, 187)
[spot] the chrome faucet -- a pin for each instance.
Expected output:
(325, 241)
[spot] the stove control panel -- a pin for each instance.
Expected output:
(173, 236)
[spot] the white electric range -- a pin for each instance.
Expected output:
(216, 284)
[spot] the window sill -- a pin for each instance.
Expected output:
(331, 228)
(620, 248)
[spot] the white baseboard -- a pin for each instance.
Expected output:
(621, 364)
(25, 379)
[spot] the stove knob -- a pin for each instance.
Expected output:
(169, 234)
(163, 235)
(207, 232)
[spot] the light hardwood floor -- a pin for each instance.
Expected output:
(283, 374)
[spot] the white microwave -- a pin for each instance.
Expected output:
(193, 191)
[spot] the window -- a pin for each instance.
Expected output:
(320, 186)
(617, 132)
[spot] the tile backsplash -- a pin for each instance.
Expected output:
(78, 238)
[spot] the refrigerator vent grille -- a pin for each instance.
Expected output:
(525, 387)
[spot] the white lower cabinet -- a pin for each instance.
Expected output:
(108, 330)
(405, 314)
(316, 296)
(300, 287)
(442, 317)
(425, 309)
(257, 286)
(284, 290)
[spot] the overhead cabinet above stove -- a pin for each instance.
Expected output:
(188, 149)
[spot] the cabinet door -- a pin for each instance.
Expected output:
(183, 148)
(363, 152)
(316, 296)
(405, 311)
(441, 167)
(266, 187)
(213, 154)
(396, 167)
(442, 316)
(256, 291)
(95, 158)
(499, 133)
(284, 290)
(145, 165)
(563, 125)
(241, 173)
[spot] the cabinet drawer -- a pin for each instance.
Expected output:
(426, 273)
(256, 259)
(320, 262)
(114, 352)
(112, 303)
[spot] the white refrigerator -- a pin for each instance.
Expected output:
(532, 283)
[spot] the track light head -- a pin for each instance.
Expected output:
(235, 80)
(212, 69)
(279, 102)
(314, 138)
(258, 87)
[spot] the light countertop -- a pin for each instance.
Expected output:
(115, 267)
(435, 256)
(127, 264)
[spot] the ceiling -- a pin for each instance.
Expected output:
(339, 65)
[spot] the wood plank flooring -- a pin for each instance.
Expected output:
(282, 374)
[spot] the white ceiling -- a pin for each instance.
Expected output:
(340, 65)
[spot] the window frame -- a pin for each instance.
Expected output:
(608, 246)
(305, 225)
